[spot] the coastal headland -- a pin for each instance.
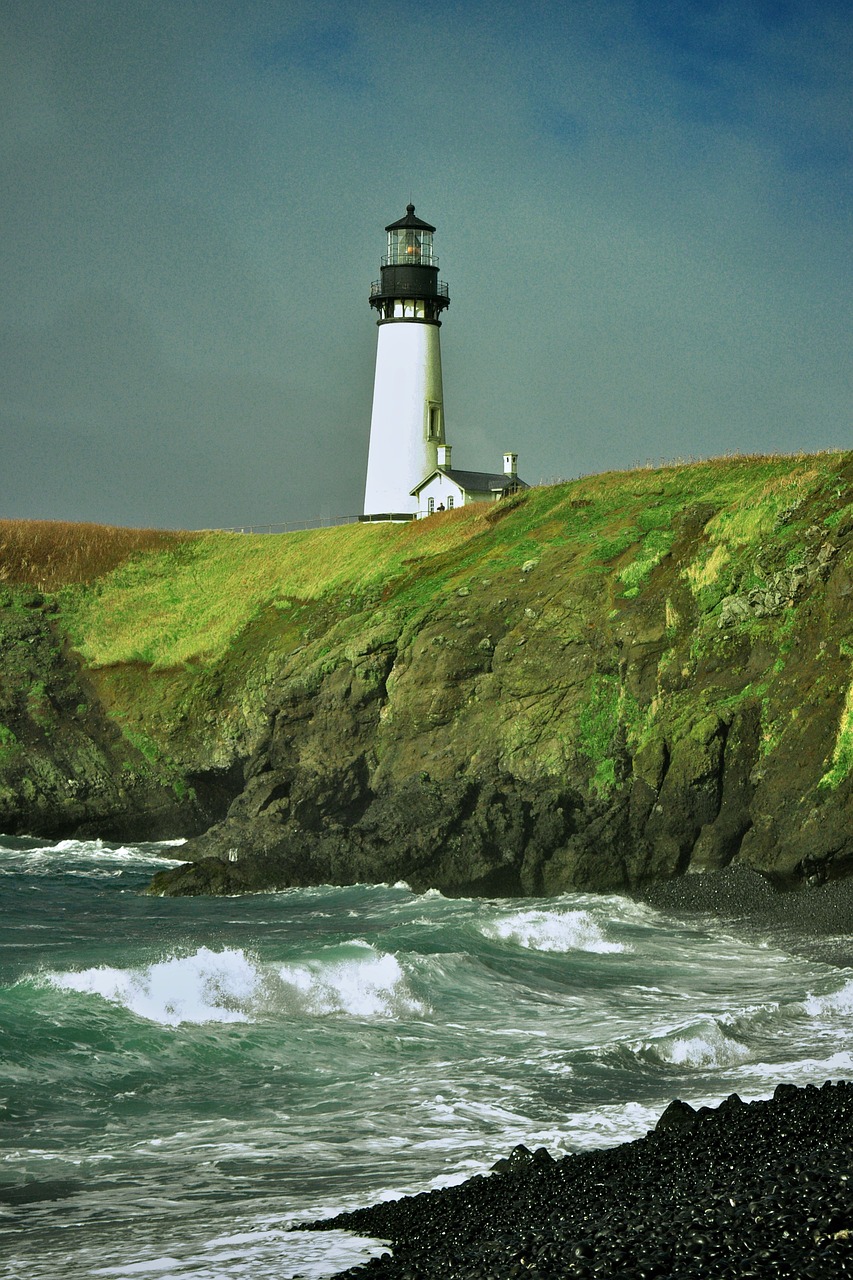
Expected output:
(594, 685)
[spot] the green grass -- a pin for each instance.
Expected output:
(171, 625)
(186, 601)
(833, 520)
(8, 742)
(655, 546)
(842, 756)
(597, 729)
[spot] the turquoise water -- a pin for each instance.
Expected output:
(183, 1079)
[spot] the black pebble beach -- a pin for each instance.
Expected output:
(743, 1190)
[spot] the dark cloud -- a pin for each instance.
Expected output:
(642, 210)
(326, 49)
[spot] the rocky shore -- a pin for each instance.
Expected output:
(759, 1189)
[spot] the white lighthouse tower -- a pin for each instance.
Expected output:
(407, 422)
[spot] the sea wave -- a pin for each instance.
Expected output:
(609, 1124)
(364, 983)
(831, 1004)
(702, 1046)
(552, 930)
(809, 1069)
(258, 1251)
(26, 855)
(231, 985)
(207, 986)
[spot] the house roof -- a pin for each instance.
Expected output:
(473, 481)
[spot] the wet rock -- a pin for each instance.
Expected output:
(678, 1115)
(753, 1190)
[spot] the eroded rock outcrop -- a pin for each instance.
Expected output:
(527, 739)
(66, 767)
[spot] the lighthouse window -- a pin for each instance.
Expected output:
(406, 245)
(409, 307)
(433, 422)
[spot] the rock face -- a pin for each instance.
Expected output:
(526, 738)
(66, 769)
(594, 686)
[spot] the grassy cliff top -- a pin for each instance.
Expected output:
(682, 631)
(171, 599)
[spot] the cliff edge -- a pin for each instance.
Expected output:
(591, 685)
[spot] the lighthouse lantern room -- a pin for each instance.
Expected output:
(407, 421)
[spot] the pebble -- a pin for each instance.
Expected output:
(759, 1189)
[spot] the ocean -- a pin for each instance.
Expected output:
(185, 1079)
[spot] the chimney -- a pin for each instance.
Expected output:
(510, 464)
(443, 452)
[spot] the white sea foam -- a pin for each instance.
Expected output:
(608, 1125)
(365, 984)
(84, 857)
(254, 1253)
(552, 931)
(208, 986)
(832, 1004)
(231, 986)
(696, 1047)
(617, 906)
(89, 847)
(806, 1070)
(96, 849)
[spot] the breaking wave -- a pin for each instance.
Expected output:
(364, 984)
(837, 1002)
(208, 986)
(701, 1046)
(552, 931)
(29, 856)
(232, 986)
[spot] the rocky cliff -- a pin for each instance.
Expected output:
(592, 685)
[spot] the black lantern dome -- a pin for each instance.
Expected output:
(409, 288)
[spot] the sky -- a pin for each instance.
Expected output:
(642, 207)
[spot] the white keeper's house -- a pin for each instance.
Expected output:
(408, 468)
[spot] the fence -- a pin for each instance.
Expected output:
(329, 522)
(294, 526)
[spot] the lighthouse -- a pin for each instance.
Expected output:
(407, 421)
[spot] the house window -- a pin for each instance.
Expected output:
(450, 502)
(430, 506)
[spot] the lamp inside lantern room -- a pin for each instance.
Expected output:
(407, 245)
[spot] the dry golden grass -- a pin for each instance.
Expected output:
(48, 554)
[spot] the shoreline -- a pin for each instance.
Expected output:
(759, 1189)
(813, 921)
